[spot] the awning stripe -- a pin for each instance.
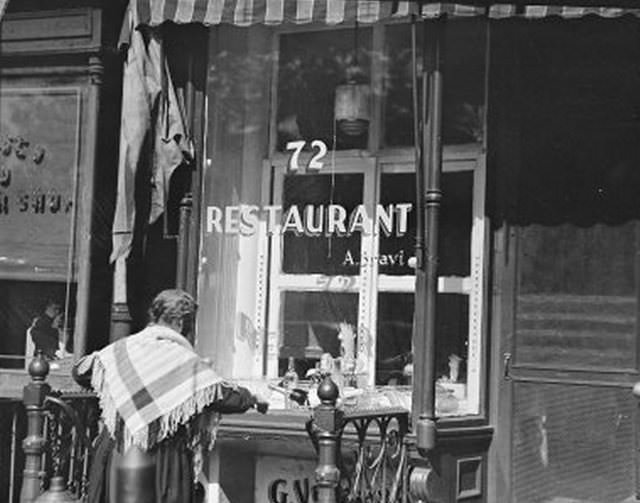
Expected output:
(542, 11)
(331, 12)
(244, 13)
(435, 10)
(185, 9)
(274, 12)
(199, 12)
(214, 12)
(335, 11)
(403, 8)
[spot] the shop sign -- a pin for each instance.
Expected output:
(312, 220)
(39, 140)
(285, 480)
(299, 491)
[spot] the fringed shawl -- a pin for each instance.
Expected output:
(150, 384)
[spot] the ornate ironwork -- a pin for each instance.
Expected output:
(369, 451)
(71, 425)
(379, 458)
(60, 429)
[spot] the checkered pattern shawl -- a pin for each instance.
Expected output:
(150, 384)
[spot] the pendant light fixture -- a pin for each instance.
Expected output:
(351, 110)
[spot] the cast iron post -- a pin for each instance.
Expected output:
(327, 419)
(33, 445)
(430, 196)
(429, 199)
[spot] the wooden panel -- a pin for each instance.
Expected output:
(50, 32)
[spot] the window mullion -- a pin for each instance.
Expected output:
(368, 300)
(478, 286)
(275, 295)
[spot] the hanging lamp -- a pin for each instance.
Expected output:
(351, 109)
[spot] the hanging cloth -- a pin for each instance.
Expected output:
(150, 107)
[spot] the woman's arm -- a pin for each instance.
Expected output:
(238, 399)
(83, 380)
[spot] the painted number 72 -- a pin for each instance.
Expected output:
(315, 163)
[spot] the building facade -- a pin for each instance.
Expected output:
(435, 202)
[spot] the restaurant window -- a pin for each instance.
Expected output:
(327, 287)
(330, 243)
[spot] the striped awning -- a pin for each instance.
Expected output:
(333, 12)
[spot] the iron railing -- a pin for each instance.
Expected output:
(362, 454)
(71, 425)
(12, 432)
(47, 436)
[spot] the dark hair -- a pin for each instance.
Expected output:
(172, 306)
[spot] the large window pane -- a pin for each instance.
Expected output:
(311, 66)
(394, 354)
(455, 224)
(332, 254)
(311, 324)
(464, 83)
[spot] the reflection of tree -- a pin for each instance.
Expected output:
(311, 66)
(237, 82)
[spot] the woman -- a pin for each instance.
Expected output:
(157, 393)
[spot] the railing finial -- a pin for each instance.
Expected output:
(327, 421)
(39, 367)
(328, 391)
(34, 395)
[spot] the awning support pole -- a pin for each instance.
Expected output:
(429, 201)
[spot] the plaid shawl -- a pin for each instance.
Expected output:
(150, 384)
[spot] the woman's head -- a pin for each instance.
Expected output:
(175, 309)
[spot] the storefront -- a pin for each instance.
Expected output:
(308, 235)
(302, 210)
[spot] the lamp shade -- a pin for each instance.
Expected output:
(352, 108)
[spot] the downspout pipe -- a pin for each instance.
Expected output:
(429, 202)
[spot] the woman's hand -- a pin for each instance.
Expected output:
(261, 405)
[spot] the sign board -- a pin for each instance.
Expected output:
(284, 480)
(39, 144)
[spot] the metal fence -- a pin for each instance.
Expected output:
(362, 454)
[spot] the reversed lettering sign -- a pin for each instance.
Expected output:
(39, 139)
